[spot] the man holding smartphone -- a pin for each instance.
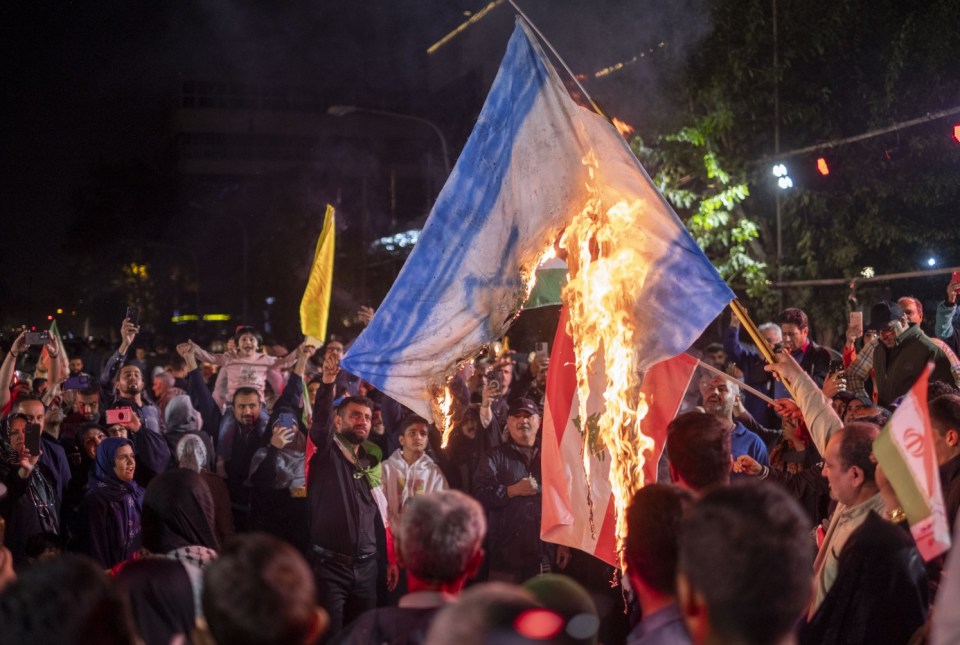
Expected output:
(947, 327)
(121, 386)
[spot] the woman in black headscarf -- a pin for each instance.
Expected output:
(161, 599)
(113, 504)
(178, 522)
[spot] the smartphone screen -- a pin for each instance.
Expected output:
(856, 320)
(37, 337)
(31, 438)
(133, 315)
(119, 416)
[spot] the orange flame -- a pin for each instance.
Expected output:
(442, 397)
(607, 267)
(443, 413)
(624, 128)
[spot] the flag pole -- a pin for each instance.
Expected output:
(762, 346)
(757, 393)
(593, 104)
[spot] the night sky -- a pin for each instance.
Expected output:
(89, 85)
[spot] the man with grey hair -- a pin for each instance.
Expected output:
(719, 398)
(164, 389)
(440, 543)
(749, 361)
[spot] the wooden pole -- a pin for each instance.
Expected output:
(751, 327)
(743, 386)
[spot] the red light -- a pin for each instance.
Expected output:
(50, 317)
(956, 132)
(34, 328)
(538, 624)
(822, 166)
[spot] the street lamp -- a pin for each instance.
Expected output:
(344, 110)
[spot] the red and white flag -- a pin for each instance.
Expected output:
(905, 450)
(574, 515)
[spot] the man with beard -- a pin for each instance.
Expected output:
(719, 398)
(123, 385)
(345, 522)
(86, 410)
(240, 437)
(814, 360)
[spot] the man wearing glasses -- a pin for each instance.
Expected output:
(902, 353)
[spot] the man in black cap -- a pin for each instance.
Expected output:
(902, 353)
(507, 483)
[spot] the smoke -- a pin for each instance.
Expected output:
(650, 40)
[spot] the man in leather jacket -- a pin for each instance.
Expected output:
(507, 483)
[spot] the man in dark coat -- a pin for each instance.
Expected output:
(507, 483)
(902, 353)
(345, 522)
(814, 360)
(945, 419)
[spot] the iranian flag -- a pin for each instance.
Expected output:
(62, 357)
(573, 514)
(905, 450)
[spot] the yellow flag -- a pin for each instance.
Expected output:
(315, 306)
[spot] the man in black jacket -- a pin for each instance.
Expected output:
(345, 522)
(507, 483)
(814, 360)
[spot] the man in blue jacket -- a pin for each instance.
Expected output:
(719, 396)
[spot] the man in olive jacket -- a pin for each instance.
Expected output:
(902, 353)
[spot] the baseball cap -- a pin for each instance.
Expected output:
(846, 396)
(523, 405)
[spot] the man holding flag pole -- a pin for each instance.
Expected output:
(870, 584)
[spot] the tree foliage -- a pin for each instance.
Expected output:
(689, 174)
(843, 69)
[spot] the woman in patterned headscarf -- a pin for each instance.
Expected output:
(113, 504)
(32, 503)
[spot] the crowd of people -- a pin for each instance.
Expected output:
(240, 496)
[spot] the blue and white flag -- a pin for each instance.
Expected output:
(520, 179)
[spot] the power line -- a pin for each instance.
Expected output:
(860, 280)
(933, 116)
